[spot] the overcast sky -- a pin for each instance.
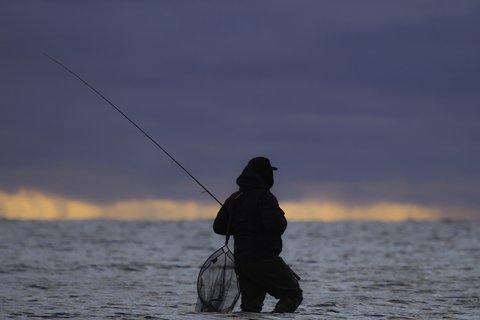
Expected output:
(355, 101)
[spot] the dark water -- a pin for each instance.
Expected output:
(147, 270)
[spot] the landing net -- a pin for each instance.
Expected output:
(217, 285)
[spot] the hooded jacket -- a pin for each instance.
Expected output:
(258, 222)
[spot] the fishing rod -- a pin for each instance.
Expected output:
(132, 122)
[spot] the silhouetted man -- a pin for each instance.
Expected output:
(257, 225)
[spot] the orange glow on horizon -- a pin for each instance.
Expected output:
(32, 205)
(382, 211)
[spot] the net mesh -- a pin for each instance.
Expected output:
(217, 284)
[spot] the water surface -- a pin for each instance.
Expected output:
(148, 270)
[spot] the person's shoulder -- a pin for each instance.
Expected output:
(233, 196)
(265, 195)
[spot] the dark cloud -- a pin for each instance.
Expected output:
(358, 102)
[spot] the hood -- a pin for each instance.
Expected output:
(258, 174)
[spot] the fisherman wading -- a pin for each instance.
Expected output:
(257, 225)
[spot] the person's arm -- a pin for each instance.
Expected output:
(273, 217)
(221, 221)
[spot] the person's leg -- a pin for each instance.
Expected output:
(274, 277)
(282, 283)
(252, 295)
(288, 303)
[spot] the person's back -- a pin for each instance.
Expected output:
(257, 226)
